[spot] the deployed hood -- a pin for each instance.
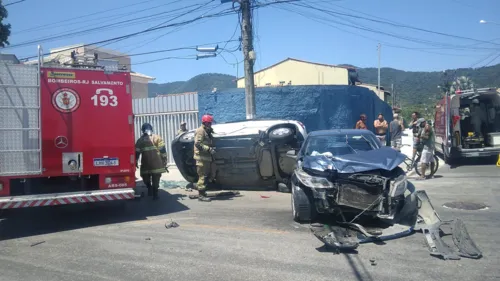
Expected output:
(384, 158)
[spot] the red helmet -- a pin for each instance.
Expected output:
(207, 119)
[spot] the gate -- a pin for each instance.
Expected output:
(20, 132)
(165, 115)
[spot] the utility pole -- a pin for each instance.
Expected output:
(378, 49)
(249, 57)
(393, 97)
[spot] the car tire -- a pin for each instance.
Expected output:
(284, 137)
(302, 209)
(446, 156)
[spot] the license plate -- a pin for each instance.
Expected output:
(106, 162)
(473, 154)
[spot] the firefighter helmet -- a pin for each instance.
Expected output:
(147, 128)
(207, 119)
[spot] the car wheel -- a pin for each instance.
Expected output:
(281, 134)
(446, 156)
(302, 209)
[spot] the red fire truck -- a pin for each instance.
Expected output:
(66, 135)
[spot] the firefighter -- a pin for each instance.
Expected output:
(153, 160)
(183, 128)
(204, 151)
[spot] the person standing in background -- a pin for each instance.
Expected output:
(361, 124)
(415, 130)
(183, 128)
(427, 139)
(396, 129)
(381, 128)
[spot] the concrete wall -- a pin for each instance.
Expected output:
(299, 73)
(318, 107)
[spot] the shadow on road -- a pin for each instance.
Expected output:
(27, 222)
(474, 162)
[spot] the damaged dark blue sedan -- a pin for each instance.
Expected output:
(347, 172)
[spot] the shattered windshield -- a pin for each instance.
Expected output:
(338, 145)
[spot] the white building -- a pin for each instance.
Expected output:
(106, 57)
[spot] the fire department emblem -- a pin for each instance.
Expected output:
(66, 100)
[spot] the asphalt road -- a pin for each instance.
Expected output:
(242, 238)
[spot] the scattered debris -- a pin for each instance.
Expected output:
(171, 224)
(37, 243)
(335, 237)
(431, 226)
(217, 194)
(173, 184)
(265, 196)
(148, 238)
(346, 236)
(466, 206)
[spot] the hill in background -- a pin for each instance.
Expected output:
(202, 82)
(418, 87)
(412, 87)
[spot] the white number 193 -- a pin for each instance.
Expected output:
(100, 99)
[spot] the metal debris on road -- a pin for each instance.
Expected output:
(37, 243)
(466, 206)
(347, 236)
(431, 226)
(217, 194)
(171, 224)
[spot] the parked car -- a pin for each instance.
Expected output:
(250, 153)
(346, 171)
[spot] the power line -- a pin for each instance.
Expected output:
(167, 58)
(17, 2)
(100, 28)
(496, 57)
(167, 33)
(167, 21)
(394, 24)
(219, 14)
(41, 27)
(364, 28)
(192, 47)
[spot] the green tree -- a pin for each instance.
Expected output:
(462, 83)
(4, 28)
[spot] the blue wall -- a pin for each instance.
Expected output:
(318, 107)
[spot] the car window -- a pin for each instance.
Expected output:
(338, 145)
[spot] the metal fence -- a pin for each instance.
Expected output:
(20, 140)
(165, 115)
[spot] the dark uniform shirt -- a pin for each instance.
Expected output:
(154, 154)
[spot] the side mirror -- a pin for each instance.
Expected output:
(291, 154)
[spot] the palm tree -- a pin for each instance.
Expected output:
(462, 83)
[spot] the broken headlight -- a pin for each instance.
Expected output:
(313, 181)
(398, 186)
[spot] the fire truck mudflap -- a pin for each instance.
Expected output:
(66, 136)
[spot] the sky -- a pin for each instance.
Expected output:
(323, 31)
